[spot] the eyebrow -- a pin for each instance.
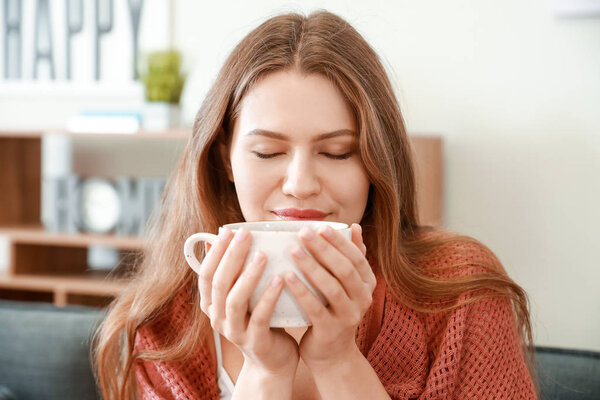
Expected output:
(322, 136)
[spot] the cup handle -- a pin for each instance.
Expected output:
(188, 248)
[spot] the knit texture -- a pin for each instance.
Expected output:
(470, 352)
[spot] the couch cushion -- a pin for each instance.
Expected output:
(568, 374)
(44, 350)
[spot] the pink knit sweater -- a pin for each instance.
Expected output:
(471, 352)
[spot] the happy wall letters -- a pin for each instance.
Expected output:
(37, 37)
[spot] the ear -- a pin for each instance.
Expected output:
(226, 159)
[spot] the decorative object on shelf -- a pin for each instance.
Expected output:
(99, 205)
(57, 160)
(138, 197)
(163, 79)
(160, 116)
(39, 36)
(59, 203)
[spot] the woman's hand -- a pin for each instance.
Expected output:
(224, 295)
(340, 271)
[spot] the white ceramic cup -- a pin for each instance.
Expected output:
(275, 239)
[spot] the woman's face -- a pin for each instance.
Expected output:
(294, 152)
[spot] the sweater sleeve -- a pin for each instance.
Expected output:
(476, 352)
(472, 351)
(492, 363)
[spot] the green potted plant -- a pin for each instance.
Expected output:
(163, 80)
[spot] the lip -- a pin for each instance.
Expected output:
(297, 214)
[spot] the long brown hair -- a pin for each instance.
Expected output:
(199, 198)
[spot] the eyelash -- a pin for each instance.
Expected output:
(344, 156)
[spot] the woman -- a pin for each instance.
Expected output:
(302, 122)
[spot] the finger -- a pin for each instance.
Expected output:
(209, 265)
(236, 307)
(357, 238)
(261, 315)
(312, 306)
(334, 260)
(351, 252)
(329, 286)
(229, 269)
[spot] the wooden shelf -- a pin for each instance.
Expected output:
(37, 235)
(49, 266)
(91, 284)
(89, 289)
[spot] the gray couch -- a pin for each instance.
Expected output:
(44, 351)
(568, 374)
(44, 354)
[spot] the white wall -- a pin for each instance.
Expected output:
(515, 92)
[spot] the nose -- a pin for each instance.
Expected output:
(300, 179)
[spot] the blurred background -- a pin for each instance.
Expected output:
(511, 88)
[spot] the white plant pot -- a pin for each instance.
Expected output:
(160, 115)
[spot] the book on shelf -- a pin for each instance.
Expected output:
(105, 122)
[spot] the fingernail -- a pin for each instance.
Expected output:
(276, 281)
(307, 233)
(298, 252)
(241, 235)
(326, 231)
(359, 228)
(292, 277)
(258, 257)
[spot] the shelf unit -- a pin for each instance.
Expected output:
(52, 267)
(48, 266)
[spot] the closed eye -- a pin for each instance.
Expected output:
(263, 155)
(344, 156)
(338, 156)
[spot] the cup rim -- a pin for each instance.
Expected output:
(338, 226)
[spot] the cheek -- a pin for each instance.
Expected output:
(349, 185)
(253, 182)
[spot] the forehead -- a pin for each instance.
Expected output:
(294, 104)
